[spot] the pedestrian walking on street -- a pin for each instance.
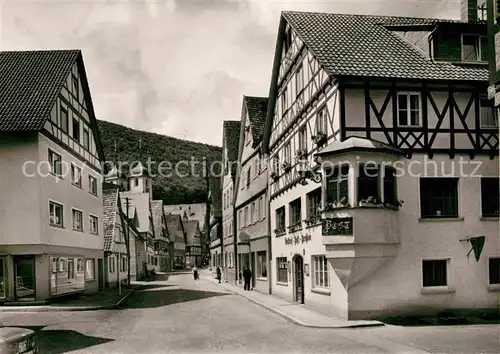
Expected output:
(219, 274)
(247, 276)
(195, 273)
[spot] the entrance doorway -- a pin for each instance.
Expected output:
(25, 279)
(298, 262)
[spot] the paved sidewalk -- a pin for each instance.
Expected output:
(295, 313)
(104, 299)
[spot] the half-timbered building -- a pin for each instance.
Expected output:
(230, 140)
(115, 237)
(215, 224)
(365, 113)
(51, 229)
(493, 20)
(253, 247)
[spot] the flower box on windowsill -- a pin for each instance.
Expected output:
(343, 203)
(287, 166)
(279, 232)
(320, 138)
(313, 220)
(301, 154)
(295, 227)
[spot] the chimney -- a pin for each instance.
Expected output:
(468, 10)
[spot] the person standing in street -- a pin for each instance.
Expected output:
(247, 277)
(219, 274)
(195, 273)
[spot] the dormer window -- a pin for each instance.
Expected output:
(474, 48)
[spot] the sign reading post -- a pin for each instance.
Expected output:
(337, 226)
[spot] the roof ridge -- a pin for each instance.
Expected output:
(370, 16)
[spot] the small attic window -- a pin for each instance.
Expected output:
(474, 48)
(288, 39)
(248, 135)
(74, 86)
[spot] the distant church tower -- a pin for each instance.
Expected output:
(140, 181)
(117, 175)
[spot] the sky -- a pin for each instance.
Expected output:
(178, 68)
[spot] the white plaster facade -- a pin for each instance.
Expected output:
(44, 254)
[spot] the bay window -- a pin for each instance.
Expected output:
(368, 189)
(337, 185)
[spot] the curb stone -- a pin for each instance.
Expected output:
(67, 308)
(296, 321)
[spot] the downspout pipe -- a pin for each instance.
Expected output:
(235, 233)
(269, 241)
(429, 40)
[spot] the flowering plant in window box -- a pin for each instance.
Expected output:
(320, 138)
(301, 154)
(396, 205)
(313, 219)
(297, 226)
(342, 203)
(274, 176)
(371, 201)
(280, 231)
(287, 166)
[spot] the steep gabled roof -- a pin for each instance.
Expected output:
(347, 45)
(191, 227)
(110, 209)
(31, 81)
(257, 109)
(231, 133)
(174, 225)
(157, 211)
(216, 196)
(140, 201)
(361, 45)
(194, 211)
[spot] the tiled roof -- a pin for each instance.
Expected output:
(231, 131)
(140, 201)
(360, 45)
(216, 196)
(357, 143)
(174, 223)
(157, 211)
(257, 110)
(110, 209)
(194, 211)
(30, 82)
(191, 226)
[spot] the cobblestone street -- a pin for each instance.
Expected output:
(181, 315)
